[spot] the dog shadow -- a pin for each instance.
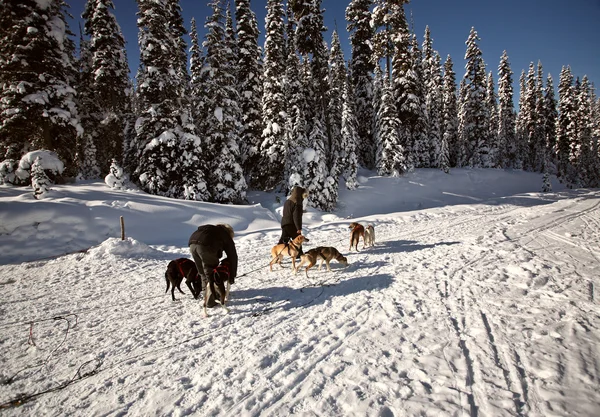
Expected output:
(399, 246)
(315, 292)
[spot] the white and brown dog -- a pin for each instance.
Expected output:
(369, 235)
(325, 254)
(291, 249)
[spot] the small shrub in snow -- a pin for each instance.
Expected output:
(116, 177)
(39, 180)
(7, 171)
(546, 184)
(48, 161)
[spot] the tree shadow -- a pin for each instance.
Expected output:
(399, 246)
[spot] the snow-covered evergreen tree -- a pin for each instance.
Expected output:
(491, 101)
(474, 109)
(321, 186)
(462, 123)
(390, 158)
(434, 99)
(450, 113)
(165, 147)
(225, 177)
(506, 115)
(551, 116)
(532, 122)
(39, 179)
(358, 17)
(37, 97)
(116, 177)
(273, 146)
(521, 145)
(296, 126)
(107, 84)
(349, 159)
(546, 184)
(566, 124)
(250, 87)
(335, 102)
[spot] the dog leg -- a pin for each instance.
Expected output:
(227, 291)
(327, 263)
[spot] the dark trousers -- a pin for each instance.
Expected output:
(289, 232)
(206, 261)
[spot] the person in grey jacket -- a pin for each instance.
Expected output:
(207, 245)
(291, 220)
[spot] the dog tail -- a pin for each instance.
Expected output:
(168, 282)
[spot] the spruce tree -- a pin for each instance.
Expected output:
(491, 102)
(521, 144)
(225, 176)
(432, 78)
(250, 87)
(165, 148)
(336, 79)
(450, 113)
(273, 145)
(506, 115)
(108, 87)
(565, 127)
(349, 159)
(361, 67)
(551, 114)
(37, 94)
(321, 186)
(390, 154)
(474, 108)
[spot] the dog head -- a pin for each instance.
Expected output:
(300, 239)
(342, 259)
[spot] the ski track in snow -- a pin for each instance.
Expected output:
(486, 310)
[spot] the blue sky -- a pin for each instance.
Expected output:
(554, 32)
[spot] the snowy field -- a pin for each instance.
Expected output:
(479, 298)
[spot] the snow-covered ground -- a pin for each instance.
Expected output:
(480, 298)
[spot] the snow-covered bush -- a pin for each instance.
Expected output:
(7, 171)
(39, 180)
(546, 184)
(52, 166)
(116, 178)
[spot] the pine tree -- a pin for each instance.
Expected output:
(390, 154)
(116, 176)
(520, 147)
(462, 123)
(410, 95)
(337, 79)
(39, 179)
(546, 184)
(107, 83)
(566, 130)
(165, 146)
(450, 113)
(349, 159)
(474, 108)
(361, 66)
(533, 121)
(37, 97)
(506, 115)
(432, 78)
(296, 126)
(321, 184)
(225, 176)
(491, 102)
(249, 79)
(273, 145)
(551, 114)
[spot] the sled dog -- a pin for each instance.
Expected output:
(325, 254)
(369, 235)
(291, 249)
(358, 231)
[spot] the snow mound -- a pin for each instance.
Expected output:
(128, 248)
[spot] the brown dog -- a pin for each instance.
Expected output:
(325, 254)
(182, 268)
(278, 252)
(358, 231)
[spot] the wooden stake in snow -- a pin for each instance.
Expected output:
(122, 228)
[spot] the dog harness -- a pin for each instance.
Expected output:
(182, 261)
(223, 271)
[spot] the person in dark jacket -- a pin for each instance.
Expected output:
(291, 220)
(206, 246)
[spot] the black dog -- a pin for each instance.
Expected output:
(183, 268)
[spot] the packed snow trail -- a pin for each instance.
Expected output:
(474, 310)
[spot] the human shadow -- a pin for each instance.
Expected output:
(315, 291)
